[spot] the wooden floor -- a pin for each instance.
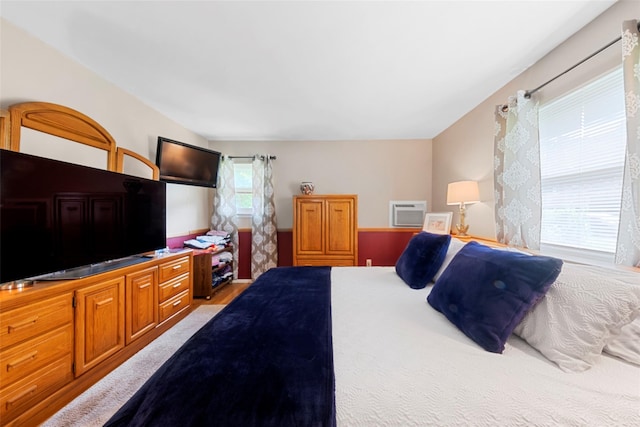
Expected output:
(225, 295)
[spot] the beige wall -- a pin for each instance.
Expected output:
(30, 70)
(465, 149)
(377, 171)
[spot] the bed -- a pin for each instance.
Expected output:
(354, 346)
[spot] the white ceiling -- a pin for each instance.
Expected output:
(307, 70)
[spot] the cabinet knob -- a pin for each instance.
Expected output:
(29, 357)
(26, 393)
(27, 323)
(103, 302)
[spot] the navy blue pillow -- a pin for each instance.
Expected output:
(422, 258)
(486, 292)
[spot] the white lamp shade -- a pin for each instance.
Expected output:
(463, 192)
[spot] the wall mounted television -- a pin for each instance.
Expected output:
(181, 163)
(65, 221)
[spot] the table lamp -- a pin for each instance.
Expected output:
(461, 193)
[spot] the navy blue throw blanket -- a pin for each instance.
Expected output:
(265, 360)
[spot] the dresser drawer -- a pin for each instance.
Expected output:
(27, 322)
(25, 358)
(171, 269)
(173, 287)
(17, 397)
(174, 305)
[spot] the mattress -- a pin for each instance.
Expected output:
(399, 362)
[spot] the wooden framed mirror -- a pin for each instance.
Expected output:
(68, 124)
(4, 129)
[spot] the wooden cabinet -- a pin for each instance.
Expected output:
(100, 322)
(36, 352)
(208, 272)
(325, 230)
(141, 303)
(58, 338)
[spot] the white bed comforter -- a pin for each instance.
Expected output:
(399, 362)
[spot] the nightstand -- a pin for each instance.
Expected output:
(487, 242)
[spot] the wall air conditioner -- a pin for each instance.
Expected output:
(407, 213)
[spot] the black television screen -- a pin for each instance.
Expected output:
(56, 216)
(182, 163)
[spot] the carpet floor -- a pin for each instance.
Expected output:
(97, 404)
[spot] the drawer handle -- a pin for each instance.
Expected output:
(177, 267)
(27, 323)
(177, 303)
(27, 392)
(146, 285)
(29, 357)
(103, 302)
(177, 285)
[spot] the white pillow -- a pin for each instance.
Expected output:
(626, 345)
(579, 315)
(454, 247)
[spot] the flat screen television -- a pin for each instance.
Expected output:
(64, 220)
(182, 163)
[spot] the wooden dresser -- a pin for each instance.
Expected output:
(58, 338)
(325, 230)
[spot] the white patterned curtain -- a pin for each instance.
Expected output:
(628, 248)
(224, 216)
(518, 210)
(264, 239)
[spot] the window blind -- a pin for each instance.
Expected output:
(243, 178)
(582, 150)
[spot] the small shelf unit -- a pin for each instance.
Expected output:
(209, 273)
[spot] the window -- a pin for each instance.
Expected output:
(243, 179)
(582, 149)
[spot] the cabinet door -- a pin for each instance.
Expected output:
(340, 228)
(141, 303)
(99, 322)
(309, 227)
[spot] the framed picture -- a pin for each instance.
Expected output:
(438, 222)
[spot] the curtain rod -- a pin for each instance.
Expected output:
(528, 93)
(249, 157)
